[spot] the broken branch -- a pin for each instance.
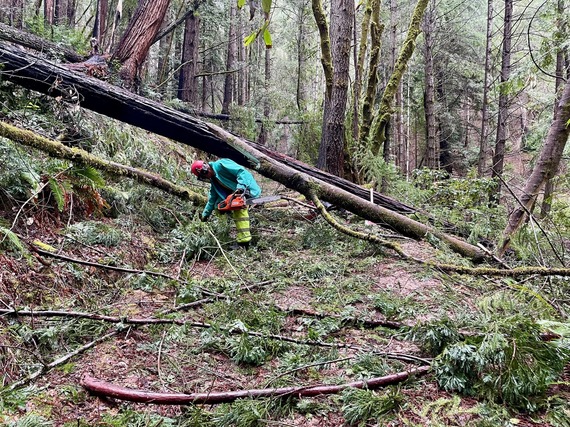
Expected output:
(106, 389)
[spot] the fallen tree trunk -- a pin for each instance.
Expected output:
(53, 50)
(61, 151)
(41, 75)
(102, 388)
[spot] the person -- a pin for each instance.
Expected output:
(226, 177)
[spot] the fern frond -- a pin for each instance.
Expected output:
(12, 239)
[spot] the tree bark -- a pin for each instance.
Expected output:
(135, 43)
(483, 143)
(499, 155)
(385, 109)
(431, 157)
(38, 74)
(230, 61)
(376, 29)
(52, 50)
(331, 149)
(188, 83)
(102, 388)
(545, 167)
(561, 71)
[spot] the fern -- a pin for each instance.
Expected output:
(58, 193)
(12, 239)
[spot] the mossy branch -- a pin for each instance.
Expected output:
(76, 155)
(448, 268)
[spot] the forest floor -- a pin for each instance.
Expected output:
(300, 280)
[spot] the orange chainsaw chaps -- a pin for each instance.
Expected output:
(232, 203)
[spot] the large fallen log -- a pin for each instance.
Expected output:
(103, 388)
(43, 76)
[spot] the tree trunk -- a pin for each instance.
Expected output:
(561, 55)
(301, 58)
(58, 150)
(264, 134)
(499, 155)
(230, 61)
(331, 149)
(135, 43)
(164, 65)
(38, 74)
(385, 109)
(483, 143)
(187, 82)
(100, 25)
(38, 44)
(545, 167)
(12, 13)
(376, 29)
(49, 11)
(431, 156)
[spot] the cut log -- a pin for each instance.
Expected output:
(43, 76)
(102, 388)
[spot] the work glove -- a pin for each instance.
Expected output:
(239, 191)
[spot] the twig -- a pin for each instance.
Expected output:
(233, 331)
(60, 361)
(121, 269)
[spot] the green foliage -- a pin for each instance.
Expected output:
(31, 420)
(96, 233)
(10, 241)
(436, 335)
(11, 401)
(369, 365)
(307, 137)
(63, 34)
(18, 177)
(195, 239)
(373, 168)
(242, 413)
(130, 418)
(508, 364)
(360, 406)
(461, 202)
(392, 306)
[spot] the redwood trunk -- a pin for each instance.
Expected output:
(135, 43)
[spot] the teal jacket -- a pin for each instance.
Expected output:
(229, 177)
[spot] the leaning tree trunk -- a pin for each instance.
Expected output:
(561, 73)
(38, 74)
(545, 167)
(135, 43)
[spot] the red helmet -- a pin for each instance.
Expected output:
(198, 167)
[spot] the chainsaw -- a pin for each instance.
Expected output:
(239, 201)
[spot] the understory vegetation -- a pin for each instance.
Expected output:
(83, 253)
